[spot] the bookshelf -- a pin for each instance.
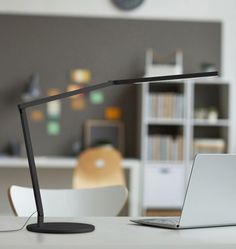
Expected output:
(178, 120)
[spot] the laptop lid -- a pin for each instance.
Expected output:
(211, 193)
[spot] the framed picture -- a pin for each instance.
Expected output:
(104, 132)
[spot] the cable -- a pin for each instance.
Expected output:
(19, 229)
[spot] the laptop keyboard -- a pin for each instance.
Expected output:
(167, 221)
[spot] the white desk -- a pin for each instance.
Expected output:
(117, 232)
(133, 165)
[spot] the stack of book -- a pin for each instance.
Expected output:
(166, 105)
(165, 148)
(208, 145)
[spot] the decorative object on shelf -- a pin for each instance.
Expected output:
(80, 76)
(212, 114)
(103, 132)
(209, 113)
(96, 97)
(54, 107)
(76, 148)
(53, 113)
(200, 113)
(207, 67)
(163, 65)
(13, 148)
(54, 110)
(73, 87)
(53, 91)
(37, 115)
(77, 102)
(113, 113)
(127, 4)
(53, 128)
(32, 88)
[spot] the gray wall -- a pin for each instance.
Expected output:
(110, 48)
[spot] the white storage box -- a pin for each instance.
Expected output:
(164, 186)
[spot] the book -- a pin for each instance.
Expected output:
(166, 105)
(165, 147)
(209, 145)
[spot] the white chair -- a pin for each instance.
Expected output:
(104, 201)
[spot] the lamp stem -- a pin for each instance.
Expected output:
(31, 161)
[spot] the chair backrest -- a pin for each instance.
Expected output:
(106, 201)
(98, 167)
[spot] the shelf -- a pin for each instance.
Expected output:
(55, 163)
(164, 163)
(165, 121)
(211, 81)
(205, 122)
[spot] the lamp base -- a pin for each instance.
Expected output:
(60, 227)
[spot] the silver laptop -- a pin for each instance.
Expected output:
(210, 198)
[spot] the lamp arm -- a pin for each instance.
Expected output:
(115, 82)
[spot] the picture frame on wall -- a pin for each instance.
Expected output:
(104, 132)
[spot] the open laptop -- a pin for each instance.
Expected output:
(210, 198)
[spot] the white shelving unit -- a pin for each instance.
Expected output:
(165, 181)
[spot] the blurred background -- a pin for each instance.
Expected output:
(52, 46)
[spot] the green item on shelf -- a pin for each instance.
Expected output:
(53, 128)
(96, 97)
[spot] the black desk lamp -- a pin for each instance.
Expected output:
(66, 227)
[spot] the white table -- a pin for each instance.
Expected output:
(133, 165)
(117, 232)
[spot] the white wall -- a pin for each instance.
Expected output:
(214, 10)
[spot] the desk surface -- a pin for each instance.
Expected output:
(117, 232)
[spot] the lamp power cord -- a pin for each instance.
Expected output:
(22, 227)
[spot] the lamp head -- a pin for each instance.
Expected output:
(164, 78)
